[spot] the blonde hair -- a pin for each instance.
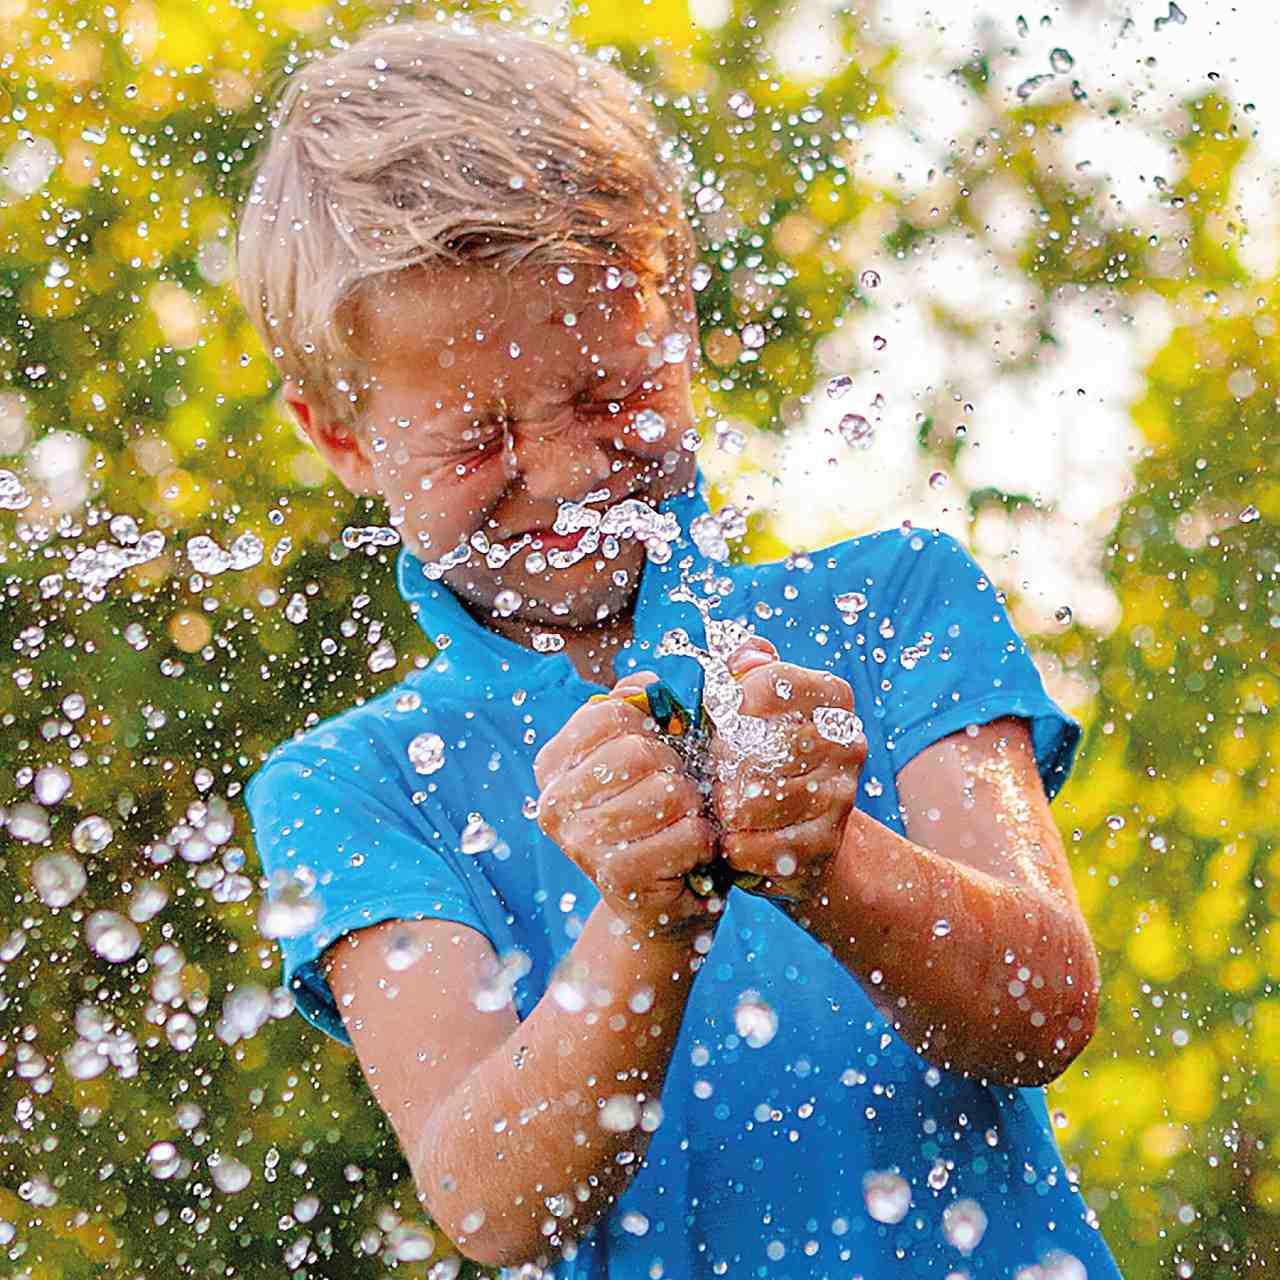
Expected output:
(423, 144)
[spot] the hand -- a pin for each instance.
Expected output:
(785, 821)
(619, 802)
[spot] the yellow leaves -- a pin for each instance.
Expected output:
(177, 313)
(1208, 795)
(1265, 1190)
(1215, 913)
(1152, 419)
(640, 22)
(1161, 1142)
(1155, 950)
(190, 631)
(1175, 363)
(78, 63)
(1191, 1083)
(180, 493)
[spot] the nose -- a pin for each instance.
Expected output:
(552, 465)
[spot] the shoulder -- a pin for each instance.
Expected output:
(367, 738)
(881, 564)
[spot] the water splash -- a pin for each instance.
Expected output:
(94, 567)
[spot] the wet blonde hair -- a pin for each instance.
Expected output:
(422, 144)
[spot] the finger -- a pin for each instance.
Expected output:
(655, 865)
(644, 809)
(753, 652)
(591, 725)
(783, 802)
(782, 688)
(783, 854)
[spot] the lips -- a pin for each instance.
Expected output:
(550, 540)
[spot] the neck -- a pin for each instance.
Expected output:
(590, 649)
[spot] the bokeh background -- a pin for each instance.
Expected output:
(1040, 240)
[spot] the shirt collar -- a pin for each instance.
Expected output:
(475, 652)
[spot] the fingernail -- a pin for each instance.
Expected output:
(747, 660)
(598, 697)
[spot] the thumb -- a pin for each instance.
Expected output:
(754, 652)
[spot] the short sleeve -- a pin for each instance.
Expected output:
(952, 658)
(343, 847)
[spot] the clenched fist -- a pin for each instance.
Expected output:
(620, 804)
(785, 820)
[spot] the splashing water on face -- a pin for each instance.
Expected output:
(601, 531)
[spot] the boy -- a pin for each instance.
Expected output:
(467, 252)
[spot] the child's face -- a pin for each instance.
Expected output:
(495, 398)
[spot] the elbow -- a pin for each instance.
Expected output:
(465, 1217)
(1076, 1020)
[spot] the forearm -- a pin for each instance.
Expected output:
(983, 977)
(528, 1151)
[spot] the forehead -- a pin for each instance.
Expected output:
(529, 323)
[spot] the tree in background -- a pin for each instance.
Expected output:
(186, 585)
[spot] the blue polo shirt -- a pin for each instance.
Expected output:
(831, 1149)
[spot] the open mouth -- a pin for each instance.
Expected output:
(547, 540)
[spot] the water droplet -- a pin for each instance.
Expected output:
(296, 610)
(1063, 615)
(879, 343)
(163, 1160)
(498, 983)
(620, 1114)
(112, 937)
(700, 277)
(964, 1223)
(741, 105)
(1061, 60)
(354, 537)
(289, 908)
(13, 497)
(938, 480)
(426, 752)
(409, 1244)
(547, 642)
(229, 1175)
(403, 950)
(473, 1221)
(754, 1020)
(148, 900)
(869, 279)
(1115, 822)
(1249, 514)
(564, 275)
(477, 836)
(91, 834)
(941, 928)
(51, 784)
(58, 879)
(856, 431)
(730, 441)
(837, 725)
(650, 426)
(245, 1011)
(634, 1223)
(839, 385)
(675, 348)
(708, 200)
(887, 1196)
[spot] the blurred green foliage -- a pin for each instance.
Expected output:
(130, 385)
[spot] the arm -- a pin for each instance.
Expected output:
(521, 1134)
(502, 1121)
(1007, 989)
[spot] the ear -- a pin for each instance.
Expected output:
(340, 446)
